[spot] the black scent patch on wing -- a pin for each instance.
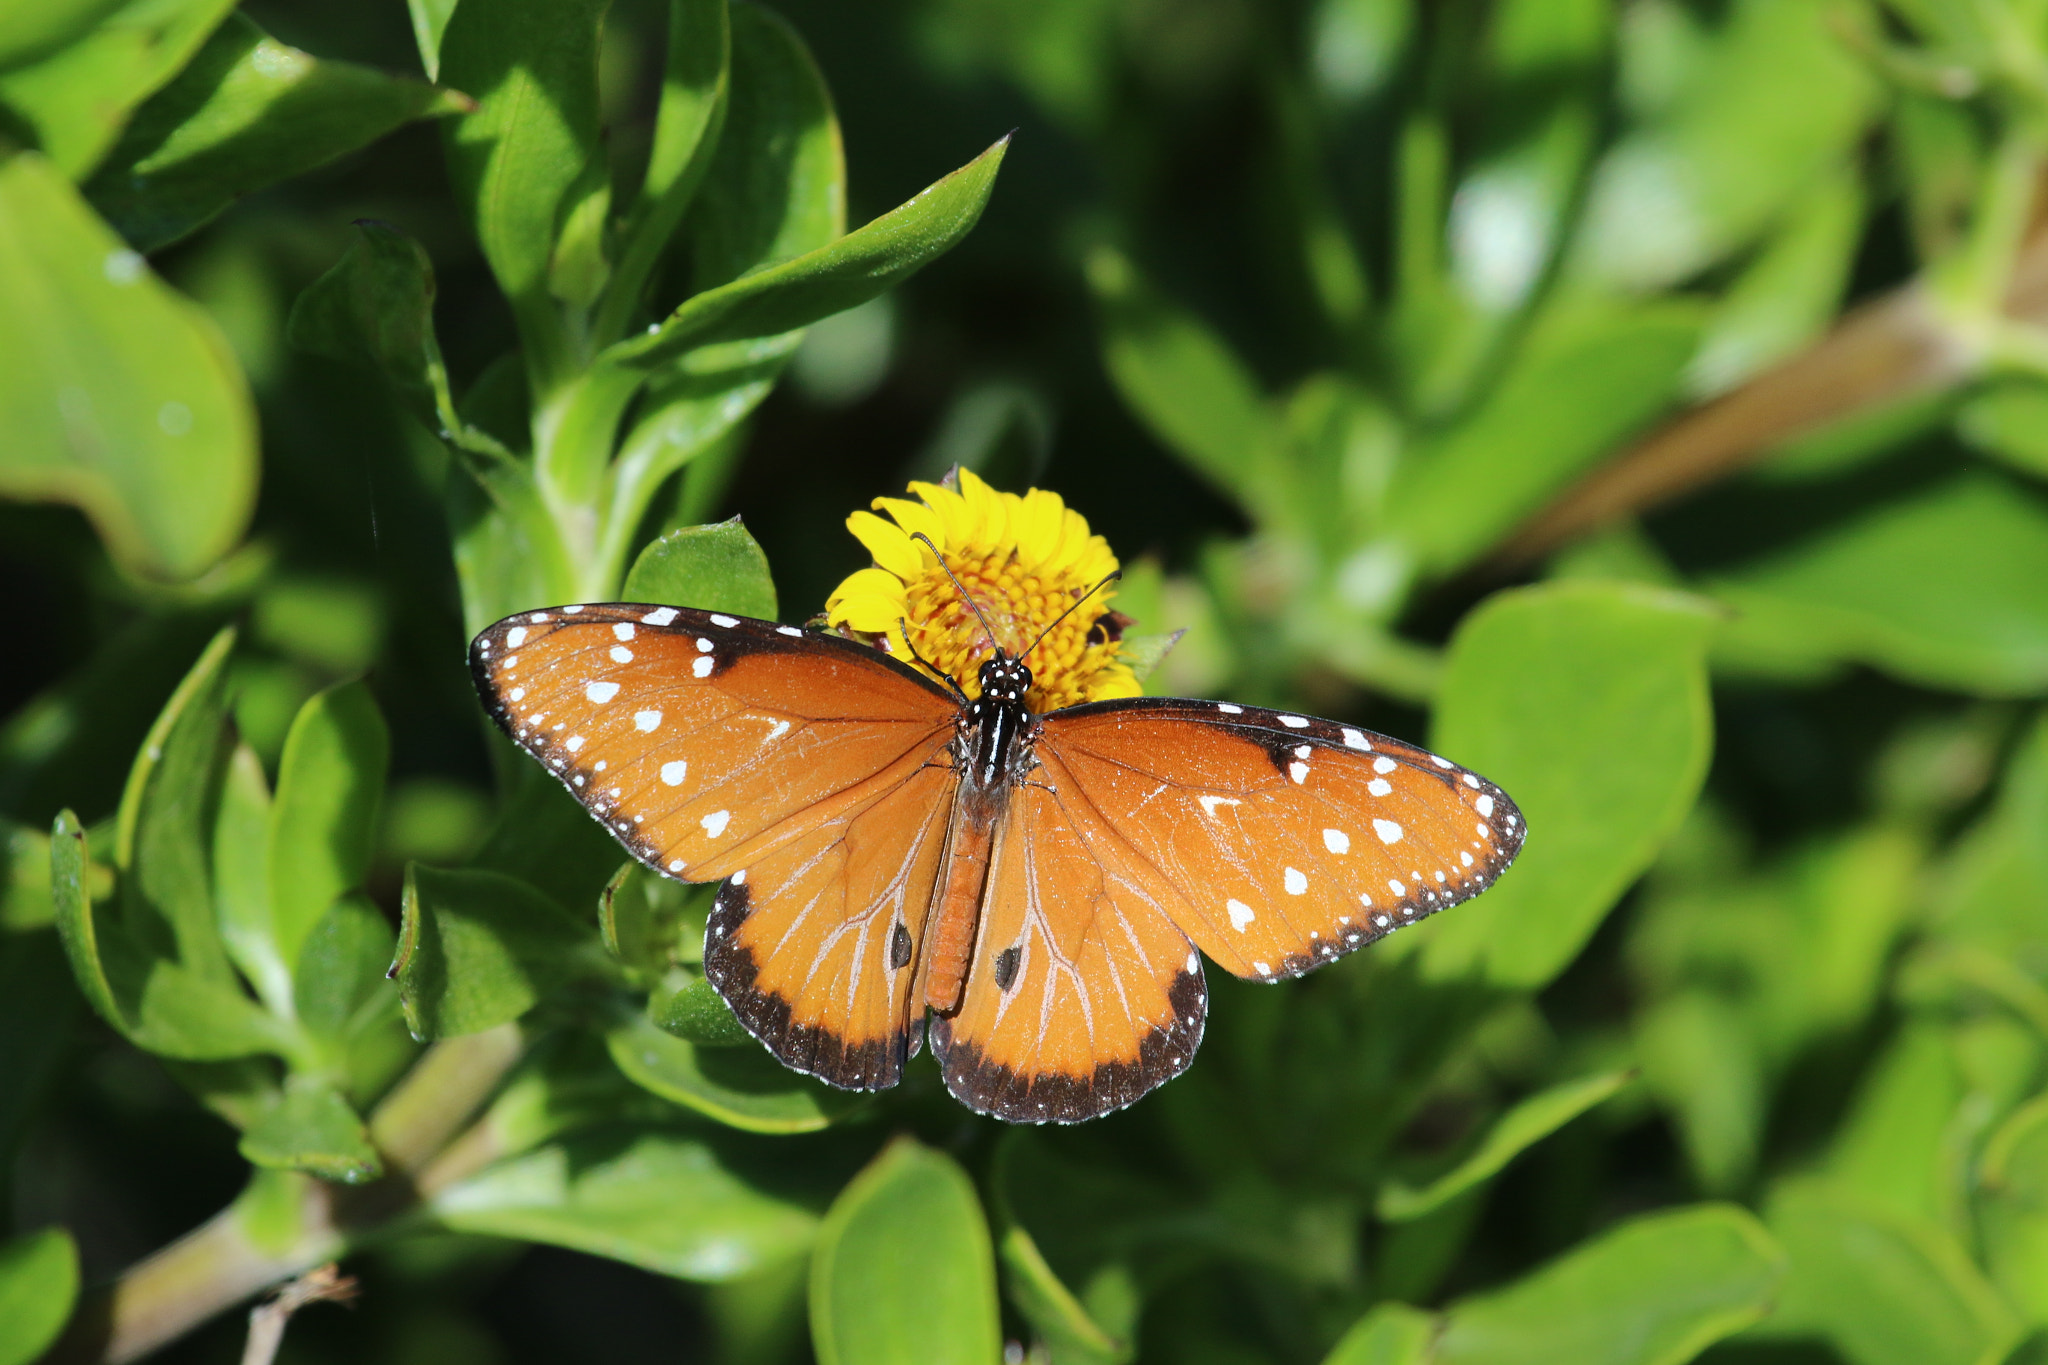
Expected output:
(1006, 968)
(899, 948)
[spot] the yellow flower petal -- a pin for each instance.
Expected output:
(914, 517)
(952, 512)
(892, 548)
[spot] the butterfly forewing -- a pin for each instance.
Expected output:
(1286, 840)
(1082, 995)
(702, 740)
(816, 945)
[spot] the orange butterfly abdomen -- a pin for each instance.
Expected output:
(958, 908)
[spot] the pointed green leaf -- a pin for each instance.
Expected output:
(532, 66)
(24, 879)
(903, 1271)
(1656, 1291)
(740, 1086)
(652, 923)
(1883, 1290)
(31, 32)
(247, 113)
(1528, 1123)
(38, 1285)
(76, 99)
(429, 22)
(339, 985)
(375, 307)
(1588, 703)
(165, 824)
(1061, 1320)
(77, 923)
(832, 279)
(719, 567)
(323, 822)
(180, 1014)
(697, 1013)
(478, 949)
(117, 395)
(241, 879)
(311, 1128)
(665, 1201)
(1941, 589)
(1391, 1334)
(1184, 383)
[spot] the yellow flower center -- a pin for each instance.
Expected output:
(1024, 560)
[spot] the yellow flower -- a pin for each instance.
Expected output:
(1025, 560)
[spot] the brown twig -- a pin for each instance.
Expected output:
(1890, 349)
(322, 1284)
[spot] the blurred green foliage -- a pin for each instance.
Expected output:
(1647, 399)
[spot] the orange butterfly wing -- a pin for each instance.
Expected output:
(703, 740)
(1082, 994)
(1280, 841)
(808, 770)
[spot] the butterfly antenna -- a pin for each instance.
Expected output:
(965, 595)
(952, 682)
(1108, 579)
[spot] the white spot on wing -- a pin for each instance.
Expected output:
(727, 621)
(789, 630)
(1298, 771)
(739, 878)
(1384, 765)
(516, 636)
(1379, 786)
(1471, 781)
(781, 729)
(1440, 762)
(1337, 841)
(702, 667)
(1227, 709)
(623, 629)
(621, 654)
(573, 743)
(1395, 886)
(674, 771)
(1240, 914)
(1355, 739)
(1292, 722)
(675, 864)
(1484, 805)
(1296, 880)
(1464, 857)
(519, 694)
(660, 616)
(597, 692)
(1194, 960)
(1211, 802)
(1389, 832)
(646, 721)
(704, 646)
(715, 823)
(1262, 969)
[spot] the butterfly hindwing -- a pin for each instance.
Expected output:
(816, 945)
(1286, 841)
(698, 738)
(1081, 995)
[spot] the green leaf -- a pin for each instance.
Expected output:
(832, 279)
(181, 1014)
(118, 396)
(339, 984)
(688, 122)
(77, 921)
(25, 901)
(1893, 1147)
(1656, 1291)
(478, 949)
(165, 824)
(1060, 1320)
(241, 879)
(532, 66)
(648, 921)
(1184, 383)
(1771, 101)
(720, 567)
(1391, 1334)
(247, 113)
(1587, 378)
(1588, 703)
(429, 22)
(76, 100)
(1883, 1290)
(580, 265)
(311, 1128)
(697, 1013)
(2009, 420)
(38, 1285)
(375, 307)
(903, 1270)
(742, 1087)
(1699, 1057)
(29, 32)
(323, 824)
(2012, 1208)
(776, 187)
(665, 1201)
(1943, 589)
(1527, 1123)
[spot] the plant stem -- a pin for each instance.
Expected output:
(225, 1261)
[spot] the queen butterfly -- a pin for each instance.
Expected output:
(1038, 884)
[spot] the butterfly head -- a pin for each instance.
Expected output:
(1005, 679)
